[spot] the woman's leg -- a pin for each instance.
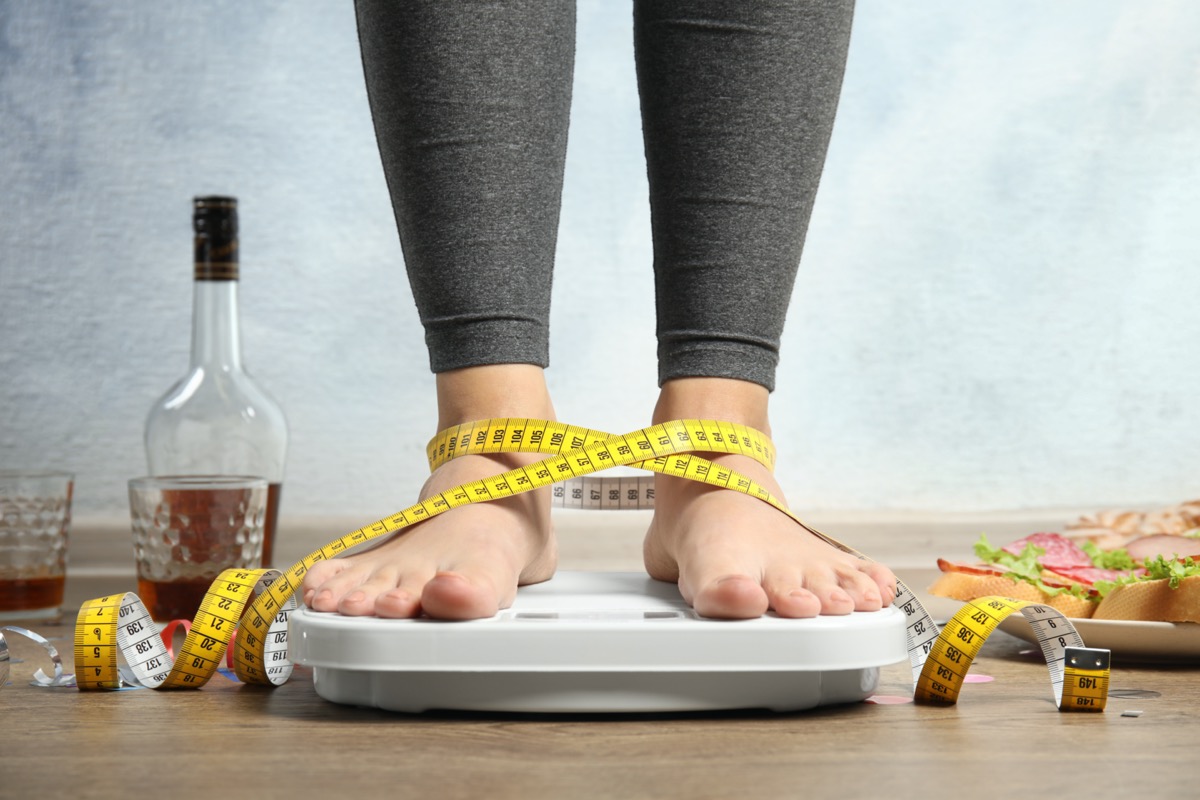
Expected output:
(738, 102)
(470, 102)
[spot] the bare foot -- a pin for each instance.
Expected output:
(733, 555)
(467, 562)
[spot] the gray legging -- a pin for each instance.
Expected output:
(471, 102)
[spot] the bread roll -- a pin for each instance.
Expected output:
(1153, 601)
(964, 586)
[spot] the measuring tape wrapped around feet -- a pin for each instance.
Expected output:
(939, 659)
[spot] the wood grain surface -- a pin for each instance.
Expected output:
(1005, 738)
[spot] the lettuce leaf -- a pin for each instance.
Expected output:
(1158, 568)
(1108, 559)
(1022, 567)
(1171, 569)
(1025, 567)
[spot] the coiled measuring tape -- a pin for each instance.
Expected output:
(939, 659)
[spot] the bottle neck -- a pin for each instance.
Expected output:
(216, 340)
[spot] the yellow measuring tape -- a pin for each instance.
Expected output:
(257, 602)
(1078, 674)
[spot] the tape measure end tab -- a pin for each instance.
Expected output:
(1088, 658)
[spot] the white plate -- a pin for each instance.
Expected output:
(1128, 641)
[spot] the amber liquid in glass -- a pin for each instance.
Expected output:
(206, 539)
(31, 594)
(173, 600)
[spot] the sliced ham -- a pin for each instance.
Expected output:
(1163, 544)
(1059, 551)
(971, 569)
(1103, 538)
(1056, 580)
(1089, 575)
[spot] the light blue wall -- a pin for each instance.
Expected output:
(997, 306)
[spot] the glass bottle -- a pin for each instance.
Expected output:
(217, 420)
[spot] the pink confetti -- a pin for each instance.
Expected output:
(973, 678)
(887, 700)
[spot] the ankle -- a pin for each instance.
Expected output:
(495, 390)
(725, 399)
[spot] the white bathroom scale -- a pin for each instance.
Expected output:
(588, 642)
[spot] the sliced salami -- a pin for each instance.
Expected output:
(1059, 551)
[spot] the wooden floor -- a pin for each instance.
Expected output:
(1005, 738)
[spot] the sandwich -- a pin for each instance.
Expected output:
(1091, 570)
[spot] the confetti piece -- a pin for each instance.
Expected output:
(1131, 713)
(887, 700)
(973, 678)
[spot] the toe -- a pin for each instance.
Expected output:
(789, 598)
(826, 587)
(398, 603)
(884, 579)
(730, 597)
(328, 595)
(402, 599)
(321, 572)
(454, 596)
(355, 604)
(861, 588)
(797, 604)
(323, 600)
(360, 602)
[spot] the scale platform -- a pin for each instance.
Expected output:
(589, 642)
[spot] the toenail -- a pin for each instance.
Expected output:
(356, 597)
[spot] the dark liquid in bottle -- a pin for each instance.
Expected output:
(274, 490)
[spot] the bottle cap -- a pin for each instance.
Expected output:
(214, 219)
